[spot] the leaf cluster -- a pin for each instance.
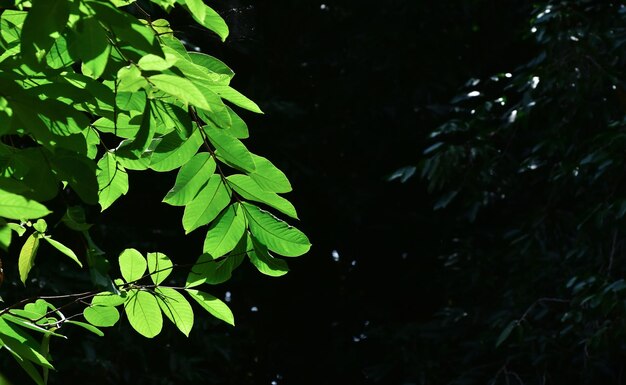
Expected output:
(89, 93)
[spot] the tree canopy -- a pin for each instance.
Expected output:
(91, 91)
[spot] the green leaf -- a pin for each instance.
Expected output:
(40, 225)
(206, 16)
(11, 23)
(506, 332)
(134, 39)
(18, 228)
(275, 234)
(132, 101)
(28, 324)
(107, 298)
(176, 308)
(146, 132)
(44, 23)
(176, 45)
(211, 271)
(180, 88)
(230, 149)
(190, 179)
(173, 152)
(142, 310)
(268, 176)
(236, 97)
(213, 305)
(207, 205)
(25, 352)
(263, 261)
(22, 344)
(249, 189)
(238, 128)
(92, 46)
(27, 256)
(123, 128)
(15, 206)
(159, 267)
(132, 265)
(59, 56)
(87, 326)
(211, 63)
(101, 316)
(112, 180)
(130, 79)
(225, 232)
(156, 63)
(63, 249)
(5, 237)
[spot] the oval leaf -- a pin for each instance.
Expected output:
(268, 176)
(132, 265)
(225, 232)
(190, 179)
(159, 267)
(101, 316)
(263, 261)
(112, 180)
(143, 313)
(27, 256)
(275, 234)
(249, 189)
(173, 152)
(209, 202)
(15, 206)
(176, 308)
(230, 149)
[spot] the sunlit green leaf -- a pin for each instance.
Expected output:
(132, 265)
(236, 97)
(156, 63)
(190, 179)
(14, 206)
(206, 16)
(130, 79)
(211, 63)
(101, 316)
(87, 326)
(263, 261)
(213, 305)
(27, 256)
(173, 152)
(209, 202)
(5, 237)
(180, 88)
(112, 180)
(159, 267)
(230, 149)
(268, 176)
(63, 249)
(176, 308)
(143, 312)
(109, 299)
(40, 225)
(225, 232)
(92, 46)
(249, 189)
(275, 234)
